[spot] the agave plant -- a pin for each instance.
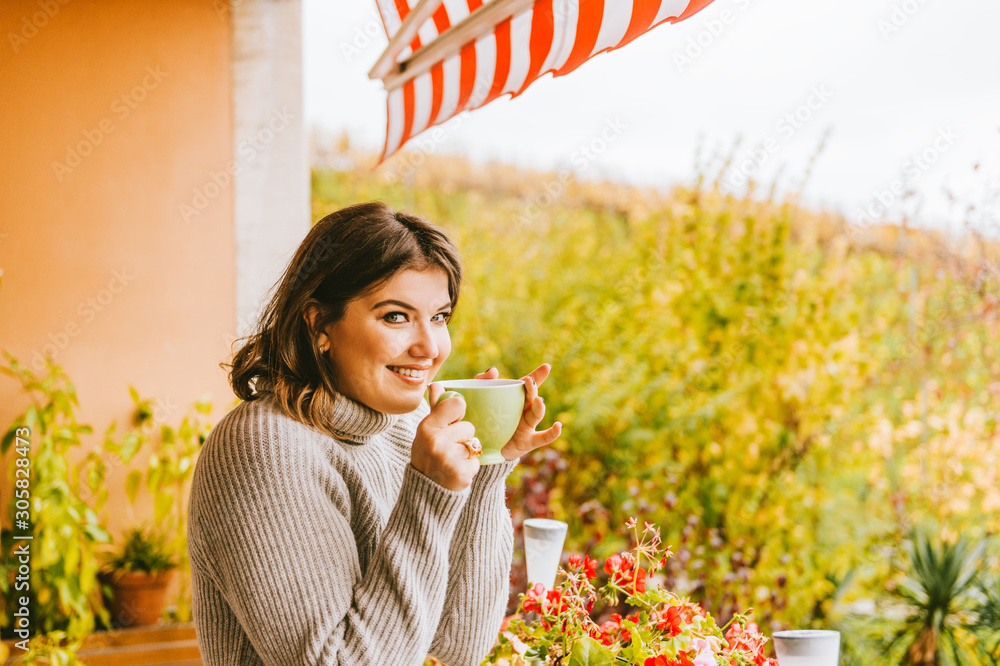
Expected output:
(939, 593)
(987, 624)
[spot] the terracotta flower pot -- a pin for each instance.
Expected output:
(138, 597)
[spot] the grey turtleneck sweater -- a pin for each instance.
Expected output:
(306, 549)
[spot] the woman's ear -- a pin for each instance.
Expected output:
(310, 312)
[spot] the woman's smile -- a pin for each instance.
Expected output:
(409, 374)
(391, 342)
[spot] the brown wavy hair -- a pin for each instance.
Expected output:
(343, 257)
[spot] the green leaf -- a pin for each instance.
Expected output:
(164, 501)
(31, 418)
(204, 404)
(537, 652)
(588, 652)
(638, 644)
(8, 439)
(144, 413)
(130, 446)
(71, 392)
(102, 497)
(132, 485)
(154, 475)
(97, 533)
(91, 516)
(61, 403)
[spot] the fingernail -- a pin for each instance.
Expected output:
(532, 379)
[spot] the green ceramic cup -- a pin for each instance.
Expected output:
(494, 406)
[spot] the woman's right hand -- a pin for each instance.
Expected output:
(437, 450)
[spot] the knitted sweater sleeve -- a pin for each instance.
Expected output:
(479, 578)
(270, 523)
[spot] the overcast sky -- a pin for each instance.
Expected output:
(907, 90)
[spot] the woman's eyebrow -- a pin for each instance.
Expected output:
(403, 305)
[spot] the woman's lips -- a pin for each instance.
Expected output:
(411, 377)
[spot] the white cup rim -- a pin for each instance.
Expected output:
(478, 383)
(546, 524)
(798, 634)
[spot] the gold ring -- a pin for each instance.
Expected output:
(474, 446)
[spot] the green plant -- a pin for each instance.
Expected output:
(936, 593)
(745, 372)
(987, 624)
(143, 550)
(65, 531)
(665, 630)
(167, 475)
(52, 649)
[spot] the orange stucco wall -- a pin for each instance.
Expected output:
(113, 114)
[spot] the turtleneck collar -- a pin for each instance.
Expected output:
(357, 423)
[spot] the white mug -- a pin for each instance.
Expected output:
(807, 647)
(543, 542)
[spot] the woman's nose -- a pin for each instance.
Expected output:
(424, 344)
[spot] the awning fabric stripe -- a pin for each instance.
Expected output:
(554, 36)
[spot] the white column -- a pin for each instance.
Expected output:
(271, 188)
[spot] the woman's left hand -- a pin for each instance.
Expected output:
(526, 438)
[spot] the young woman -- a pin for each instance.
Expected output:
(335, 518)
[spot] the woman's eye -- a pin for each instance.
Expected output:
(400, 317)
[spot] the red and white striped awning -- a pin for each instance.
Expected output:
(447, 56)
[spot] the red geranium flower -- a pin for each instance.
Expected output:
(555, 602)
(590, 567)
(606, 632)
(565, 612)
(683, 659)
(627, 562)
(670, 621)
(750, 640)
(536, 599)
(620, 567)
(640, 581)
(661, 660)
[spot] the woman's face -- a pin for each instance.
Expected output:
(390, 343)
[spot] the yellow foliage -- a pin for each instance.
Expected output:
(756, 375)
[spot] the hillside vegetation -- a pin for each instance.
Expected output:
(787, 396)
